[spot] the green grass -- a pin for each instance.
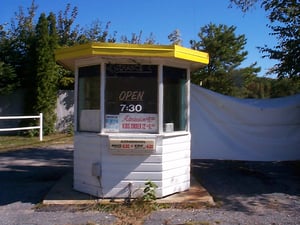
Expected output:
(10, 143)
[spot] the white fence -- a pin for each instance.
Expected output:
(40, 127)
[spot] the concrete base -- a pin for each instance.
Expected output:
(63, 193)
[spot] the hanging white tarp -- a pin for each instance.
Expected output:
(224, 127)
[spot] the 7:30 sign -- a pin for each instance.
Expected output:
(131, 108)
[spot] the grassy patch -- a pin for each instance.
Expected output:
(134, 212)
(9, 143)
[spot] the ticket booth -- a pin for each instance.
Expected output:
(131, 117)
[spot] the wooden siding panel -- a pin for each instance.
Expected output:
(176, 188)
(86, 152)
(176, 140)
(176, 164)
(167, 157)
(177, 171)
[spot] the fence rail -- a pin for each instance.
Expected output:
(40, 127)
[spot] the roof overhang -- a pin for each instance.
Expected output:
(173, 53)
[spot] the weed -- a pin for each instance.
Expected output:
(149, 191)
(135, 210)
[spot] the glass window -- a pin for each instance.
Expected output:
(131, 98)
(88, 108)
(175, 99)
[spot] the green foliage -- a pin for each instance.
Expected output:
(223, 75)
(66, 78)
(66, 30)
(244, 5)
(175, 37)
(283, 87)
(149, 191)
(284, 16)
(17, 41)
(96, 33)
(226, 50)
(137, 39)
(46, 74)
(285, 22)
(8, 81)
(226, 53)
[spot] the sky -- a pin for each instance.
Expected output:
(161, 17)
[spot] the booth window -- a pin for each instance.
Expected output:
(131, 98)
(175, 99)
(88, 107)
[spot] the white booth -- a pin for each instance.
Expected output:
(131, 117)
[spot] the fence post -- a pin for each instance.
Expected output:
(41, 126)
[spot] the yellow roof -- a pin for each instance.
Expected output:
(67, 56)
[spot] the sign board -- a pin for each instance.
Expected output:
(132, 122)
(125, 146)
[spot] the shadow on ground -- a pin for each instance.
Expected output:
(27, 175)
(242, 184)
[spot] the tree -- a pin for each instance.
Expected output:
(17, 42)
(284, 16)
(8, 79)
(137, 39)
(285, 23)
(95, 33)
(46, 75)
(285, 87)
(175, 37)
(226, 53)
(67, 32)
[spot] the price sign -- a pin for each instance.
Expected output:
(132, 145)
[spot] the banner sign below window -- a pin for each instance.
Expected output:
(132, 122)
(138, 122)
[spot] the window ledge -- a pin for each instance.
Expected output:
(145, 135)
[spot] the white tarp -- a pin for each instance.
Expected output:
(224, 127)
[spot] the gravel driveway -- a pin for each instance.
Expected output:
(245, 192)
(26, 176)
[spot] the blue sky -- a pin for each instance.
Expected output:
(161, 17)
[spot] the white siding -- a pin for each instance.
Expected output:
(121, 170)
(176, 164)
(86, 152)
(125, 175)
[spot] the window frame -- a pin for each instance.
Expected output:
(150, 112)
(95, 113)
(160, 64)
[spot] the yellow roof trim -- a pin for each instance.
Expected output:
(70, 54)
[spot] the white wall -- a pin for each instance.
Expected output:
(168, 166)
(14, 104)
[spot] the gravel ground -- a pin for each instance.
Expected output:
(26, 176)
(245, 192)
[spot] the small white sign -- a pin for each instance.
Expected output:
(132, 145)
(112, 123)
